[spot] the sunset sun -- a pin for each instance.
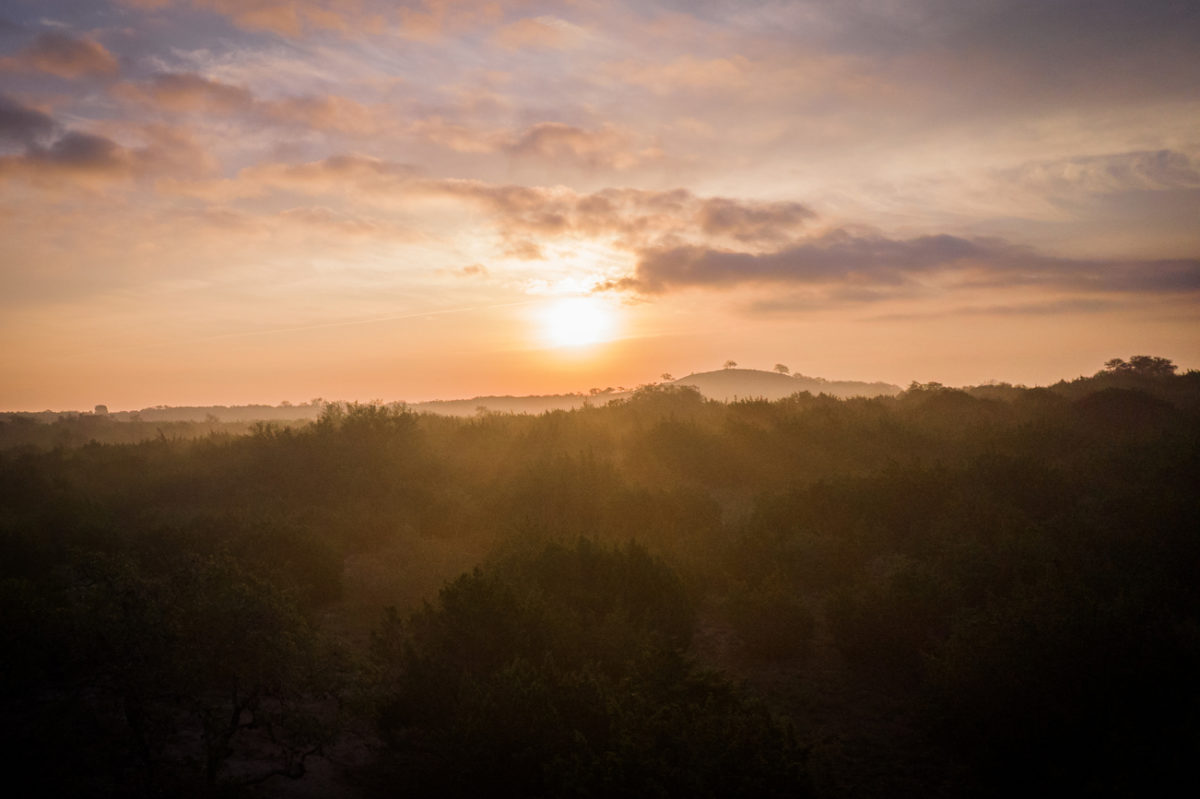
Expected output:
(577, 322)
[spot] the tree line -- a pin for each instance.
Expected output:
(942, 593)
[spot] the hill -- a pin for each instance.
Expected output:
(733, 384)
(725, 385)
(504, 404)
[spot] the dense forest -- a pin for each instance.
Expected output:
(942, 593)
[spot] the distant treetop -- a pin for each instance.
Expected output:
(1142, 366)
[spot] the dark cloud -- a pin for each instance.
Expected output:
(82, 152)
(834, 257)
(41, 150)
(764, 222)
(21, 125)
(871, 262)
(632, 218)
(47, 150)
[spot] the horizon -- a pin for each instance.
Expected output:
(205, 202)
(585, 393)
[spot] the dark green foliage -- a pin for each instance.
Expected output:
(170, 661)
(772, 620)
(1090, 694)
(561, 672)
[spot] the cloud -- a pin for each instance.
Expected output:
(81, 152)
(188, 92)
(1144, 170)
(77, 158)
(21, 125)
(286, 17)
(685, 72)
(46, 148)
(283, 17)
(878, 262)
(762, 222)
(421, 19)
(460, 138)
(544, 33)
(50, 153)
(1008, 53)
(606, 147)
(325, 112)
(338, 174)
(632, 218)
(1078, 305)
(432, 19)
(555, 141)
(66, 56)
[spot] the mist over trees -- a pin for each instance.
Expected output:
(941, 593)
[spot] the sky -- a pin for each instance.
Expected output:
(239, 201)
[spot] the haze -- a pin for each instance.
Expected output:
(208, 201)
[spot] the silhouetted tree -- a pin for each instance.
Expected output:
(731, 364)
(782, 369)
(1142, 366)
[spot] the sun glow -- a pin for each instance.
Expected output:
(577, 322)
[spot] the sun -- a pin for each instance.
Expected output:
(577, 322)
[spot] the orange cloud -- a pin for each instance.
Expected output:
(547, 33)
(63, 55)
(326, 112)
(338, 174)
(460, 138)
(554, 141)
(189, 92)
(606, 147)
(278, 16)
(684, 72)
(432, 19)
(183, 92)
